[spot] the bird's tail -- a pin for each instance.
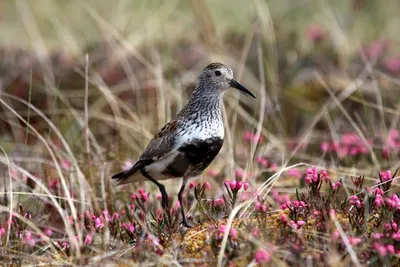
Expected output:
(122, 177)
(128, 176)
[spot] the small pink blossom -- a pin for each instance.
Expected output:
(354, 241)
(324, 175)
(262, 161)
(257, 205)
(336, 186)
(233, 232)
(233, 185)
(212, 173)
(380, 249)
(335, 235)
(377, 236)
(207, 185)
(28, 239)
(98, 224)
(325, 147)
(130, 227)
(219, 202)
(254, 138)
(192, 184)
(2, 231)
(47, 232)
(376, 48)
(66, 164)
(295, 173)
(262, 256)
(88, 240)
(245, 186)
(390, 249)
(239, 185)
(239, 173)
(393, 64)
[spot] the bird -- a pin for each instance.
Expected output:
(186, 145)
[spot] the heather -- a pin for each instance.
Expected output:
(308, 174)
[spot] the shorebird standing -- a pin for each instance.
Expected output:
(185, 146)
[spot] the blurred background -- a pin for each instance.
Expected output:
(86, 84)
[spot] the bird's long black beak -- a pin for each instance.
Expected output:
(240, 87)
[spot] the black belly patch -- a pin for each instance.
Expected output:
(194, 157)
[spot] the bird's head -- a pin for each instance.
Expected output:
(217, 76)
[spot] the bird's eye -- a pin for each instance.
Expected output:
(217, 73)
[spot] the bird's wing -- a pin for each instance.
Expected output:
(162, 143)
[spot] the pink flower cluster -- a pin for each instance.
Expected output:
(336, 186)
(260, 207)
(386, 176)
(392, 202)
(193, 184)
(353, 200)
(253, 138)
(233, 232)
(293, 224)
(262, 256)
(313, 176)
(237, 185)
(315, 33)
(265, 163)
(350, 144)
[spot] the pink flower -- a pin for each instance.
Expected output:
(336, 186)
(207, 185)
(386, 175)
(262, 161)
(264, 208)
(98, 224)
(212, 173)
(335, 235)
(394, 226)
(47, 232)
(234, 233)
(295, 173)
(66, 164)
(255, 138)
(377, 236)
(192, 185)
(262, 256)
(130, 227)
(219, 202)
(380, 249)
(393, 64)
(325, 147)
(354, 241)
(325, 176)
(228, 183)
(257, 205)
(233, 185)
(28, 239)
(245, 186)
(88, 240)
(312, 175)
(2, 231)
(239, 173)
(376, 48)
(390, 249)
(239, 185)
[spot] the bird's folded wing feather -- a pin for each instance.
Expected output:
(162, 143)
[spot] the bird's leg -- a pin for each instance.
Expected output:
(164, 196)
(184, 221)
